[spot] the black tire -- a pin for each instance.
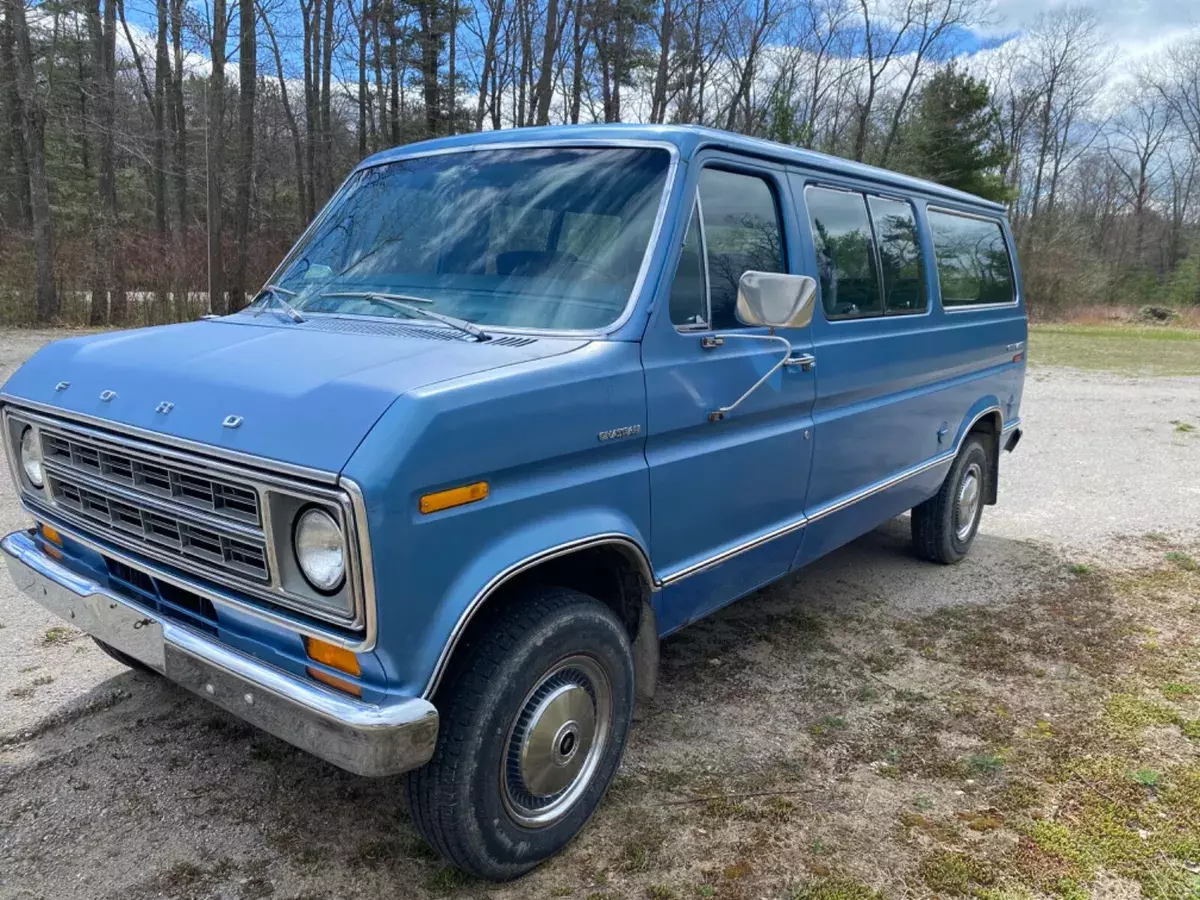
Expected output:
(124, 658)
(940, 531)
(463, 802)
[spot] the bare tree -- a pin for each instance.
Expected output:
(33, 122)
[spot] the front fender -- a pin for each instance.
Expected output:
(507, 556)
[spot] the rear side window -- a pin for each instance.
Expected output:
(899, 255)
(972, 260)
(741, 232)
(845, 253)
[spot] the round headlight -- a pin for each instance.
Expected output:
(320, 549)
(31, 458)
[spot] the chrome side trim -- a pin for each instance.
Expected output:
(734, 551)
(211, 455)
(669, 188)
(363, 738)
(830, 508)
(362, 644)
(1009, 426)
(516, 569)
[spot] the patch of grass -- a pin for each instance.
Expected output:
(1079, 569)
(21, 693)
(447, 880)
(1128, 714)
(1184, 560)
(1178, 690)
(660, 892)
(827, 724)
(638, 853)
(957, 874)
(1116, 348)
(836, 887)
(43, 680)
(1183, 427)
(57, 635)
(1146, 777)
(984, 763)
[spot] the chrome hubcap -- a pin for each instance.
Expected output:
(970, 490)
(556, 742)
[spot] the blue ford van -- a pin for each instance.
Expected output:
(516, 406)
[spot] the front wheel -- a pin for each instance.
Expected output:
(533, 725)
(944, 526)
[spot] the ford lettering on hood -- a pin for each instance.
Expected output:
(301, 393)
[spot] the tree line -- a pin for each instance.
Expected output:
(149, 155)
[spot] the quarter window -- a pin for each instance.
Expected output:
(972, 260)
(846, 265)
(899, 255)
(689, 297)
(742, 233)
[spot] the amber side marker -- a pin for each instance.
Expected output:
(336, 658)
(459, 496)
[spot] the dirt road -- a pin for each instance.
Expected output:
(823, 738)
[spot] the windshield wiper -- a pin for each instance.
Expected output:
(276, 295)
(405, 303)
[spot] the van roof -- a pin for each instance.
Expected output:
(689, 139)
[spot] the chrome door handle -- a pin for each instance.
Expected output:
(806, 361)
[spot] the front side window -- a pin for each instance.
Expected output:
(845, 253)
(972, 260)
(742, 233)
(899, 255)
(547, 238)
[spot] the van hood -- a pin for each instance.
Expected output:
(306, 393)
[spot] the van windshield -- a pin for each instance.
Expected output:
(546, 238)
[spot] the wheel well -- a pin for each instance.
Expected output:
(989, 426)
(615, 572)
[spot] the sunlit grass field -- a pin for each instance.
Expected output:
(1130, 349)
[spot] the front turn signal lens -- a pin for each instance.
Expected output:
(51, 534)
(333, 656)
(459, 496)
(336, 658)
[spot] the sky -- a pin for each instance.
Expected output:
(1137, 29)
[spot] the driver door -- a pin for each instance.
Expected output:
(727, 497)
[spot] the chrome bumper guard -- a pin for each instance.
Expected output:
(359, 737)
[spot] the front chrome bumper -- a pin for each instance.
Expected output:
(359, 737)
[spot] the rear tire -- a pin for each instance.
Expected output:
(945, 525)
(124, 658)
(534, 720)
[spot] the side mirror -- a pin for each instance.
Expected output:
(775, 300)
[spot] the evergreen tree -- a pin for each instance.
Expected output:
(947, 140)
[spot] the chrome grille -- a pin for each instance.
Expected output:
(162, 528)
(152, 476)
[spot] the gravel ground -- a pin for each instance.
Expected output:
(115, 784)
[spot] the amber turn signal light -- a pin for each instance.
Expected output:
(336, 658)
(51, 534)
(468, 493)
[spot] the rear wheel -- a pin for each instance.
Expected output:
(944, 526)
(533, 725)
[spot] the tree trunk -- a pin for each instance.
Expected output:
(215, 158)
(489, 61)
(326, 120)
(545, 85)
(247, 85)
(10, 101)
(179, 118)
(431, 44)
(33, 119)
(289, 116)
